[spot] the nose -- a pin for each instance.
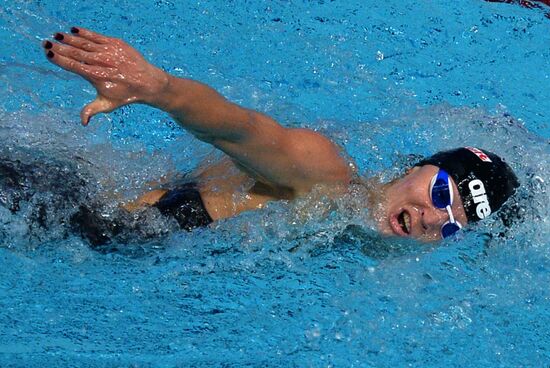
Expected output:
(433, 218)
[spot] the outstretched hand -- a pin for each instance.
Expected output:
(117, 71)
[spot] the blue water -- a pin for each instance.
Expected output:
(294, 284)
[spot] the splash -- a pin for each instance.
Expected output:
(385, 150)
(62, 166)
(50, 168)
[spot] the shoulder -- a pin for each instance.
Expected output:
(321, 159)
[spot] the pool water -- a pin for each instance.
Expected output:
(304, 284)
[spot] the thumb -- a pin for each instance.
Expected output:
(100, 104)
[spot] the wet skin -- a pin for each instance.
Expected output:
(410, 195)
(284, 163)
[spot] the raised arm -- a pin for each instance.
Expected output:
(292, 158)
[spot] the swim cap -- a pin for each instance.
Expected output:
(483, 179)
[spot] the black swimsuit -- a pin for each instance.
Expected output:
(183, 203)
(186, 206)
(51, 194)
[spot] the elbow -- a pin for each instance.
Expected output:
(248, 128)
(252, 128)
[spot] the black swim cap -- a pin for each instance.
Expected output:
(484, 180)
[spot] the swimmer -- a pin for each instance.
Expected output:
(433, 200)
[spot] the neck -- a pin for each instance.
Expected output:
(374, 194)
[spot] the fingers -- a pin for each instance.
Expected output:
(97, 106)
(91, 36)
(75, 41)
(89, 72)
(72, 52)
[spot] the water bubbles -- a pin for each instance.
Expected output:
(314, 333)
(456, 317)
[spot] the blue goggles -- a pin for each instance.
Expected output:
(441, 193)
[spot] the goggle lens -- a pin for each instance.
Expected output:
(449, 229)
(441, 192)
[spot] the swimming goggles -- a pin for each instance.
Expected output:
(441, 193)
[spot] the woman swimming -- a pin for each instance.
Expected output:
(435, 199)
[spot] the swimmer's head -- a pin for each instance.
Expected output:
(480, 182)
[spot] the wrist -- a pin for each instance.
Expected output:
(159, 89)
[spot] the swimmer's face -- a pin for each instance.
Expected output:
(407, 210)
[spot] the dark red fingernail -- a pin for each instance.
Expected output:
(48, 45)
(49, 54)
(58, 36)
(74, 30)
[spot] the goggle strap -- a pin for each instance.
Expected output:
(450, 212)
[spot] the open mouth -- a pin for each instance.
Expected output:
(404, 220)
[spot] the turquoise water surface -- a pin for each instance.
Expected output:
(305, 284)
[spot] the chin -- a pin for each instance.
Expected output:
(384, 226)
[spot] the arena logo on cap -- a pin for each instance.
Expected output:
(479, 153)
(480, 198)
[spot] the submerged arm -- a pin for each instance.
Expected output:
(296, 159)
